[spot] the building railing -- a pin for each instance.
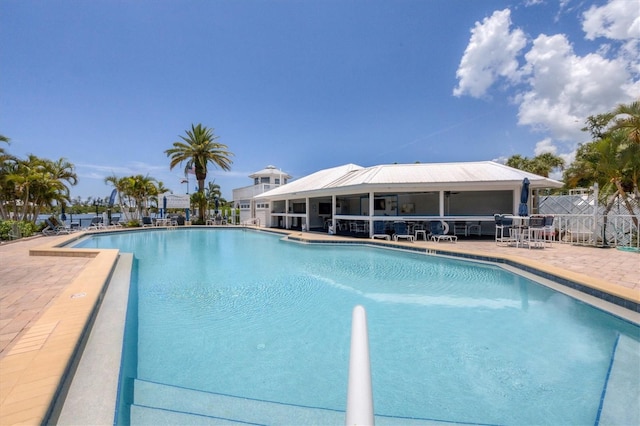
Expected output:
(253, 221)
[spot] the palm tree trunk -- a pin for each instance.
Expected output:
(202, 200)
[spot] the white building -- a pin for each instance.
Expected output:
(460, 194)
(258, 211)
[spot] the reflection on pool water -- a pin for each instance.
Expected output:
(244, 314)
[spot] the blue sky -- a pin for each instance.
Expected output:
(306, 85)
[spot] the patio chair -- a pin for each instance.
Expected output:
(438, 231)
(379, 230)
(400, 230)
(96, 223)
(146, 221)
(549, 230)
(54, 228)
(503, 228)
(535, 232)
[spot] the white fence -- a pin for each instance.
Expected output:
(598, 230)
(581, 219)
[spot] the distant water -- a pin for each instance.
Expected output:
(83, 220)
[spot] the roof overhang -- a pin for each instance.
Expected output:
(352, 179)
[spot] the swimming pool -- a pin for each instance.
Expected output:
(244, 314)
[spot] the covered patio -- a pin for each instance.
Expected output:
(353, 200)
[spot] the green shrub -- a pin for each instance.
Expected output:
(27, 229)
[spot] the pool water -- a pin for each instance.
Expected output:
(245, 314)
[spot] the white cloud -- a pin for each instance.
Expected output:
(563, 88)
(617, 20)
(556, 89)
(490, 54)
(544, 146)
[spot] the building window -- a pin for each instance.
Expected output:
(256, 181)
(265, 180)
(277, 181)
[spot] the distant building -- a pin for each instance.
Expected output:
(264, 180)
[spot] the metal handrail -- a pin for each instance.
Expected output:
(252, 221)
(359, 391)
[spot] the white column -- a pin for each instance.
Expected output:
(371, 212)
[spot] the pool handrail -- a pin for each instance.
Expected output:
(359, 390)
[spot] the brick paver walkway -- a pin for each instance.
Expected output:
(28, 285)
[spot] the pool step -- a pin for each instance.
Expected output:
(155, 416)
(620, 405)
(156, 403)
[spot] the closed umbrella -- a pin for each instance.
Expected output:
(523, 209)
(62, 215)
(164, 206)
(217, 203)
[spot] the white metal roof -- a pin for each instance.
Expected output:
(479, 175)
(270, 171)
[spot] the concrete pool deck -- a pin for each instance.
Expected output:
(48, 295)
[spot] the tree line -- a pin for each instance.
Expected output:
(34, 185)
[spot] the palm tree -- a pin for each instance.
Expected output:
(120, 185)
(3, 139)
(198, 149)
(63, 171)
(542, 164)
(612, 159)
(141, 189)
(212, 192)
(626, 119)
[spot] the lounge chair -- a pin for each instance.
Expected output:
(96, 223)
(379, 230)
(146, 221)
(55, 228)
(115, 222)
(400, 231)
(438, 230)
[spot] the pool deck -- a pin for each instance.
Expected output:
(48, 295)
